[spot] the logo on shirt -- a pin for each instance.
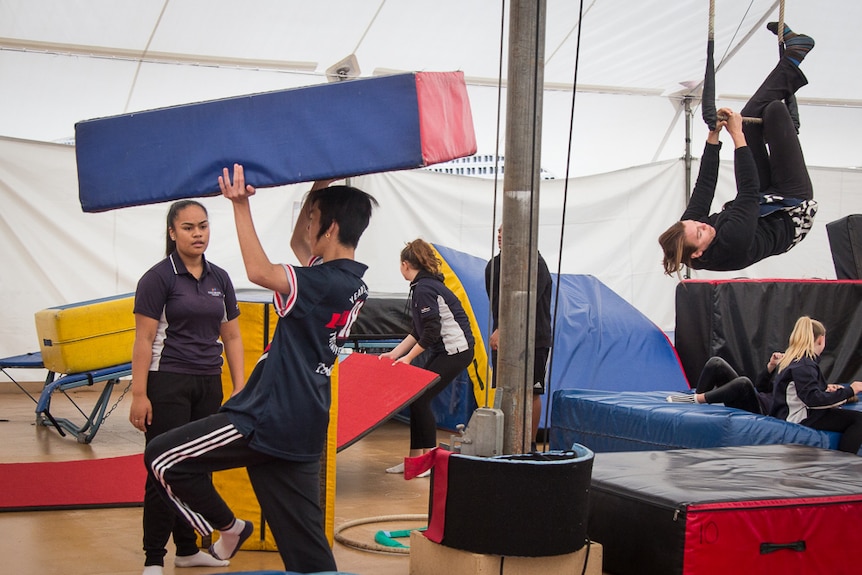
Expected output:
(215, 292)
(360, 292)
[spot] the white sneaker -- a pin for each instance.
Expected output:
(681, 398)
(200, 559)
(396, 468)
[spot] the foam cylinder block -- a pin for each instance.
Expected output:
(530, 505)
(87, 335)
(319, 132)
(845, 242)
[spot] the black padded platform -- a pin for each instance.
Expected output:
(744, 321)
(845, 242)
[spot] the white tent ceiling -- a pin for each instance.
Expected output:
(65, 61)
(70, 60)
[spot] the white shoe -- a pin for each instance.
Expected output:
(681, 398)
(396, 468)
(200, 559)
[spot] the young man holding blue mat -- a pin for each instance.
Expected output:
(276, 427)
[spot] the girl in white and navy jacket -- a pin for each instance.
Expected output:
(801, 394)
(440, 328)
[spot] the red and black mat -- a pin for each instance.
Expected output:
(747, 510)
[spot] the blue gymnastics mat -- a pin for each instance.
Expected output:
(284, 137)
(640, 421)
(601, 341)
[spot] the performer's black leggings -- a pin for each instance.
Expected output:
(423, 425)
(721, 384)
(781, 167)
(846, 421)
(176, 399)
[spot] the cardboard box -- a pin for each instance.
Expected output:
(87, 335)
(429, 558)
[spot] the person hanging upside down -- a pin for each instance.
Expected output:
(774, 206)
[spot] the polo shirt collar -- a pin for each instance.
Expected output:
(180, 268)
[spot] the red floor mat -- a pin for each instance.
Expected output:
(111, 482)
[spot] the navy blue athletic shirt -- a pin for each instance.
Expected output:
(284, 407)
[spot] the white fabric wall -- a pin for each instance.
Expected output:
(53, 253)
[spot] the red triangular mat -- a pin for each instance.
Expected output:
(371, 390)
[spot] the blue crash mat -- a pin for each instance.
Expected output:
(639, 421)
(284, 137)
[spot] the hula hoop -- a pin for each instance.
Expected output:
(376, 547)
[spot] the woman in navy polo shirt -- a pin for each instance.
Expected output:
(183, 306)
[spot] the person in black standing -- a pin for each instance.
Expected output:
(543, 336)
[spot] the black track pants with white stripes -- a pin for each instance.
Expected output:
(181, 461)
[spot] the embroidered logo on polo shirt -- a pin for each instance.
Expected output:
(215, 292)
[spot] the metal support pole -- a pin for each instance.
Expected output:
(520, 220)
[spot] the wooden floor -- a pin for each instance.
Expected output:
(108, 541)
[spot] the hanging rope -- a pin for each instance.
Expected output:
(548, 379)
(527, 406)
(492, 296)
(781, 28)
(790, 101)
(710, 116)
(708, 95)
